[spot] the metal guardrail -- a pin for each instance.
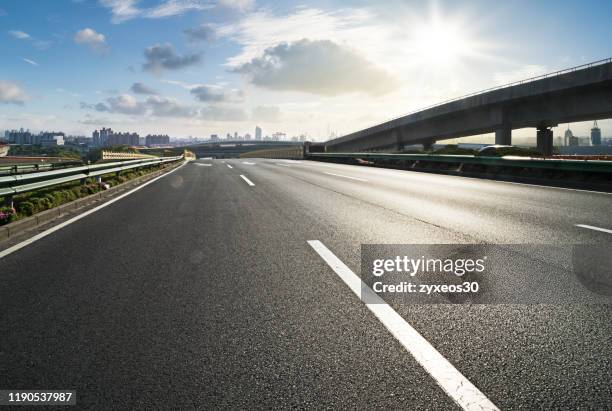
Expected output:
(598, 166)
(11, 185)
(31, 167)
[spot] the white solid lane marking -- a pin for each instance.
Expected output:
(591, 227)
(51, 230)
(341, 175)
(248, 164)
(249, 182)
(459, 388)
(229, 165)
(281, 164)
(203, 164)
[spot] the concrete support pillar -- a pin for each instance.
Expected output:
(545, 141)
(503, 136)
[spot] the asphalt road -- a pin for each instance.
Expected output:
(201, 291)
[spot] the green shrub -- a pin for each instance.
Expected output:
(26, 208)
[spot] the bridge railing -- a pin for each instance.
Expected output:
(475, 93)
(21, 183)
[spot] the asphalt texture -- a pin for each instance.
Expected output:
(200, 291)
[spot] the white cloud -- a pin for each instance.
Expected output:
(11, 93)
(124, 10)
(21, 35)
(176, 7)
(167, 107)
(90, 38)
(121, 10)
(32, 62)
(319, 67)
(267, 114)
(241, 5)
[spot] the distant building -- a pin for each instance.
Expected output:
(570, 139)
(595, 135)
(156, 140)
(95, 136)
(123, 139)
(257, 133)
(20, 137)
(214, 137)
(278, 136)
(52, 139)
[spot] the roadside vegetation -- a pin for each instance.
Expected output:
(27, 204)
(35, 151)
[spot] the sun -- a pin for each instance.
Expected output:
(440, 42)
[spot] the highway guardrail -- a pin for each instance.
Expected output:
(21, 183)
(597, 166)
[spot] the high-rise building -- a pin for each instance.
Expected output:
(156, 140)
(257, 133)
(570, 139)
(595, 135)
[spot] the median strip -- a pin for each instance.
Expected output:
(249, 182)
(458, 387)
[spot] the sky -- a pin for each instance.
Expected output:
(201, 67)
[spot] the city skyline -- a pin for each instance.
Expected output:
(196, 68)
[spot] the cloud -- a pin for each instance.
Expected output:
(124, 10)
(169, 107)
(95, 121)
(161, 57)
(32, 62)
(267, 114)
(318, 67)
(21, 35)
(240, 5)
(39, 44)
(90, 38)
(215, 94)
(216, 113)
(121, 104)
(11, 93)
(139, 88)
(176, 7)
(159, 106)
(121, 10)
(205, 32)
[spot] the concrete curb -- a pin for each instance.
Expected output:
(10, 230)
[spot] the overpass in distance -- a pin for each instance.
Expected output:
(233, 148)
(578, 94)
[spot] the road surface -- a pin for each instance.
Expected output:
(201, 290)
